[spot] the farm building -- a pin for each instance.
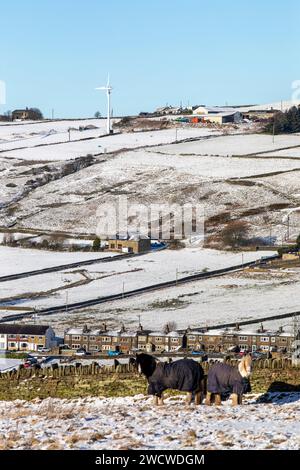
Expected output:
(132, 243)
(21, 114)
(223, 118)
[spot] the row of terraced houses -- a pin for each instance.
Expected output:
(123, 340)
(15, 337)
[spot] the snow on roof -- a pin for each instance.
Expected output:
(157, 333)
(277, 106)
(175, 334)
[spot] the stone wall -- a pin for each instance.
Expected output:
(93, 380)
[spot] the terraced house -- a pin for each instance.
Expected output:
(26, 337)
(224, 340)
(123, 340)
(101, 340)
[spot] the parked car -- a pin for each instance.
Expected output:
(80, 352)
(258, 355)
(43, 350)
(114, 353)
(30, 361)
(202, 354)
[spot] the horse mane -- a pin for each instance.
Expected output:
(146, 364)
(244, 365)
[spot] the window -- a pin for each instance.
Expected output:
(243, 338)
(158, 339)
(2, 345)
(11, 345)
(76, 346)
(265, 348)
(24, 345)
(119, 247)
(264, 339)
(85, 338)
(273, 339)
(112, 245)
(2, 336)
(174, 340)
(106, 339)
(283, 340)
(76, 338)
(243, 347)
(92, 338)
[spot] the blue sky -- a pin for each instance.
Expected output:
(54, 53)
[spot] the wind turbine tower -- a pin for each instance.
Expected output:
(108, 90)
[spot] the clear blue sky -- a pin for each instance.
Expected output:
(55, 52)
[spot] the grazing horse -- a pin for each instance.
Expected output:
(224, 380)
(185, 375)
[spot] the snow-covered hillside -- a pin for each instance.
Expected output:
(133, 423)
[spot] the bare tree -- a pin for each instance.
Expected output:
(235, 233)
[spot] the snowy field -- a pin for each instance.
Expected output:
(111, 278)
(235, 145)
(204, 167)
(19, 260)
(177, 173)
(70, 150)
(16, 135)
(227, 299)
(133, 423)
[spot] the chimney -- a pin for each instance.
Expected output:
(237, 327)
(85, 329)
(123, 328)
(104, 327)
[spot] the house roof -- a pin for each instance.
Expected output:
(24, 329)
(129, 236)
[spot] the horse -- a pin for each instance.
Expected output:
(185, 375)
(224, 380)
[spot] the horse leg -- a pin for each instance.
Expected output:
(235, 399)
(189, 398)
(198, 398)
(208, 399)
(218, 400)
(161, 400)
(155, 400)
(240, 399)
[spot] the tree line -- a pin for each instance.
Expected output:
(285, 122)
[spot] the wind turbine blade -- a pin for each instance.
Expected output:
(101, 88)
(108, 81)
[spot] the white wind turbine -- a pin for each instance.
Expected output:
(108, 90)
